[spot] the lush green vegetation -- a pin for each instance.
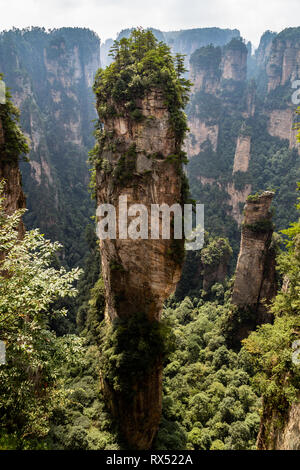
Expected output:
(140, 65)
(130, 348)
(29, 284)
(277, 375)
(208, 402)
(207, 57)
(51, 105)
(50, 394)
(15, 143)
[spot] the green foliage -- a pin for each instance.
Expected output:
(277, 377)
(126, 166)
(82, 422)
(28, 286)
(254, 197)
(141, 64)
(215, 250)
(261, 226)
(15, 143)
(130, 348)
(208, 402)
(208, 57)
(236, 44)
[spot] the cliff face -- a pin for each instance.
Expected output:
(10, 173)
(263, 51)
(241, 131)
(148, 269)
(219, 79)
(139, 274)
(282, 67)
(278, 434)
(184, 41)
(255, 280)
(234, 63)
(283, 63)
(52, 88)
(13, 193)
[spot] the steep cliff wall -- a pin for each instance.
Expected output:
(13, 193)
(12, 145)
(255, 279)
(241, 131)
(149, 274)
(51, 76)
(234, 62)
(220, 100)
(139, 157)
(278, 432)
(140, 274)
(283, 62)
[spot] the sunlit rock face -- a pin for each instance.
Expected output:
(139, 275)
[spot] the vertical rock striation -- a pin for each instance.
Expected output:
(255, 280)
(277, 432)
(219, 91)
(53, 90)
(148, 269)
(12, 144)
(139, 275)
(139, 158)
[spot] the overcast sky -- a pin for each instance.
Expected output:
(108, 17)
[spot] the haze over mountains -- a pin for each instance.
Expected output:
(51, 74)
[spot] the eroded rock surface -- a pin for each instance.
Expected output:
(255, 280)
(139, 274)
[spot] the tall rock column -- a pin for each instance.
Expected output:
(139, 158)
(140, 274)
(255, 280)
(12, 144)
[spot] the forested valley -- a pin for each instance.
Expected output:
(142, 345)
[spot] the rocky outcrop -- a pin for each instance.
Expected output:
(53, 90)
(10, 173)
(283, 64)
(13, 193)
(255, 280)
(242, 154)
(263, 51)
(281, 123)
(234, 61)
(139, 274)
(277, 433)
(200, 132)
(205, 71)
